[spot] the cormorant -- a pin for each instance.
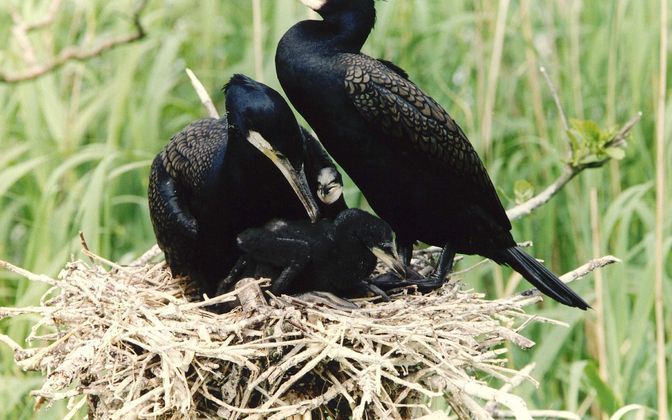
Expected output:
(411, 160)
(329, 256)
(212, 181)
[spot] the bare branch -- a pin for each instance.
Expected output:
(54, 7)
(41, 278)
(20, 33)
(556, 98)
(589, 267)
(71, 53)
(542, 198)
(619, 138)
(578, 273)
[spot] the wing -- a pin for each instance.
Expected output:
(170, 216)
(386, 98)
(180, 179)
(195, 154)
(401, 72)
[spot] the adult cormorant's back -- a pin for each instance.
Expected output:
(411, 160)
(218, 177)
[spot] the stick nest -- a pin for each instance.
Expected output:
(126, 341)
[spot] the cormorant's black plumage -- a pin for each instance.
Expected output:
(209, 183)
(411, 160)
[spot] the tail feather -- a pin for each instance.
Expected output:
(541, 277)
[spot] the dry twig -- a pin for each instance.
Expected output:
(72, 53)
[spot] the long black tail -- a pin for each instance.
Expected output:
(541, 277)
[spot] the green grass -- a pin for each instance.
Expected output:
(77, 144)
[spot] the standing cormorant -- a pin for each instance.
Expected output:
(330, 256)
(212, 181)
(411, 160)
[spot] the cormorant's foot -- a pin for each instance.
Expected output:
(428, 284)
(378, 292)
(327, 299)
(389, 281)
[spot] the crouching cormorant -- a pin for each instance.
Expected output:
(218, 177)
(413, 163)
(328, 256)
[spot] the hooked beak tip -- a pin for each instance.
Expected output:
(391, 261)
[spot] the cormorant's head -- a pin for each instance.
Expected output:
(329, 185)
(261, 116)
(375, 234)
(349, 21)
(326, 8)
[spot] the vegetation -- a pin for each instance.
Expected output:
(77, 144)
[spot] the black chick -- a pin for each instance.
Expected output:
(218, 177)
(329, 256)
(411, 160)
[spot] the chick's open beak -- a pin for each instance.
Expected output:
(328, 194)
(297, 179)
(388, 255)
(329, 185)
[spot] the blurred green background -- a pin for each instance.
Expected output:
(76, 146)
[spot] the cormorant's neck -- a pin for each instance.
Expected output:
(346, 31)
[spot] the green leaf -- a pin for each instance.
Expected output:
(615, 153)
(523, 191)
(605, 395)
(589, 130)
(591, 158)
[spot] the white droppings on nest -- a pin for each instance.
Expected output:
(126, 341)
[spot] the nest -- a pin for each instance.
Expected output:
(126, 341)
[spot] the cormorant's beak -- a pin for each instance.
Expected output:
(297, 179)
(388, 255)
(314, 4)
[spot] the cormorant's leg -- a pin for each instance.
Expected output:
(265, 247)
(233, 276)
(285, 279)
(445, 265)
